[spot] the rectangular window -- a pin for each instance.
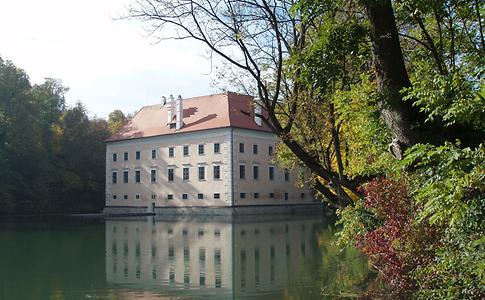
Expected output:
(186, 150)
(154, 153)
(125, 176)
(125, 156)
(287, 175)
(286, 196)
(217, 148)
(170, 174)
(137, 197)
(185, 196)
(153, 176)
(114, 197)
(154, 196)
(256, 172)
(217, 172)
(242, 171)
(170, 196)
(217, 196)
(302, 195)
(200, 196)
(185, 173)
(271, 173)
(241, 147)
(115, 157)
(171, 151)
(201, 173)
(255, 149)
(271, 195)
(242, 195)
(137, 155)
(137, 176)
(125, 197)
(114, 177)
(201, 149)
(256, 195)
(270, 150)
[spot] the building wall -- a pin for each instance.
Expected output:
(229, 186)
(263, 185)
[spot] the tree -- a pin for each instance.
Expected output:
(116, 120)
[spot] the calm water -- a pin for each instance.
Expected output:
(146, 258)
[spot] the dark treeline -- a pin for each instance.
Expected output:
(52, 156)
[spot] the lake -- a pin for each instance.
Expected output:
(277, 257)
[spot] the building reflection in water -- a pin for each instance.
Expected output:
(224, 257)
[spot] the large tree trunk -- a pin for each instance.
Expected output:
(400, 117)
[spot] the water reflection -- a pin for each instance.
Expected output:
(222, 258)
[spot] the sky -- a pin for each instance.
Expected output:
(107, 64)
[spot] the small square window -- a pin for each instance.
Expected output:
(302, 195)
(185, 196)
(115, 157)
(114, 197)
(241, 147)
(173, 125)
(271, 195)
(217, 196)
(125, 156)
(154, 153)
(201, 149)
(256, 195)
(137, 155)
(186, 150)
(137, 197)
(154, 196)
(200, 196)
(242, 195)
(171, 152)
(217, 148)
(125, 197)
(170, 196)
(255, 149)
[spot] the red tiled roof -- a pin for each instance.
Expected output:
(199, 113)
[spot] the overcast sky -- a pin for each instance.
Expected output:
(107, 64)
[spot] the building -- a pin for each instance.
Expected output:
(210, 151)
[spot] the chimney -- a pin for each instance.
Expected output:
(170, 108)
(257, 113)
(179, 111)
(164, 101)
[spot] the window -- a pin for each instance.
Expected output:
(200, 196)
(242, 195)
(270, 150)
(241, 147)
(185, 196)
(154, 153)
(125, 156)
(114, 197)
(170, 174)
(114, 177)
(170, 196)
(137, 155)
(186, 150)
(217, 148)
(302, 195)
(217, 172)
(286, 196)
(137, 176)
(173, 126)
(201, 173)
(256, 195)
(137, 197)
(255, 149)
(185, 173)
(242, 171)
(287, 175)
(271, 173)
(171, 151)
(256, 172)
(125, 176)
(271, 195)
(115, 156)
(217, 196)
(201, 149)
(125, 197)
(154, 196)
(153, 176)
